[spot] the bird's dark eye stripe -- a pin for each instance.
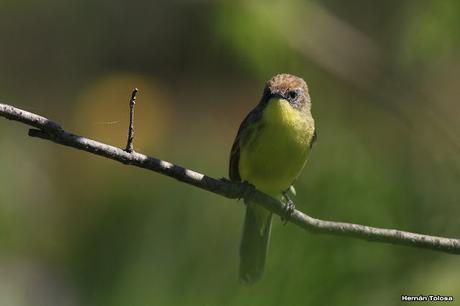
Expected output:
(292, 94)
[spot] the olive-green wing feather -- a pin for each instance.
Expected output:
(257, 224)
(244, 131)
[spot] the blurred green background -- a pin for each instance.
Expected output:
(76, 229)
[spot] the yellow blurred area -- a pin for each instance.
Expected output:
(101, 111)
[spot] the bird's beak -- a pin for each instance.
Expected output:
(276, 97)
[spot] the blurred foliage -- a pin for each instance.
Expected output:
(76, 229)
(430, 32)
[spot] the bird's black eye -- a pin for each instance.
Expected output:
(292, 95)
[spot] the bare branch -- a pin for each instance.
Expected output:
(132, 103)
(49, 130)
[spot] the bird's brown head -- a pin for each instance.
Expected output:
(290, 88)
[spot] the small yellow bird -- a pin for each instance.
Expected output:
(269, 152)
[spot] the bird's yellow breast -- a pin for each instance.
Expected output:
(276, 150)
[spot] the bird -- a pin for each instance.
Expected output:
(269, 152)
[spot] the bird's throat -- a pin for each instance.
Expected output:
(280, 112)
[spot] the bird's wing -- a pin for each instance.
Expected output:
(246, 127)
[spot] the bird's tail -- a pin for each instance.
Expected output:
(254, 243)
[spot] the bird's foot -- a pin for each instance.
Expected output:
(226, 180)
(248, 189)
(289, 208)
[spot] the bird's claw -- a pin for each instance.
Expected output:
(248, 189)
(226, 180)
(288, 207)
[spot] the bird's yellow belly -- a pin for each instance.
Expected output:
(276, 152)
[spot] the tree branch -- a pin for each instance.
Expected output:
(132, 103)
(49, 130)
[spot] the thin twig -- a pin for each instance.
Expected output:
(132, 103)
(46, 129)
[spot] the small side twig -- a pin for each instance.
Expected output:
(132, 103)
